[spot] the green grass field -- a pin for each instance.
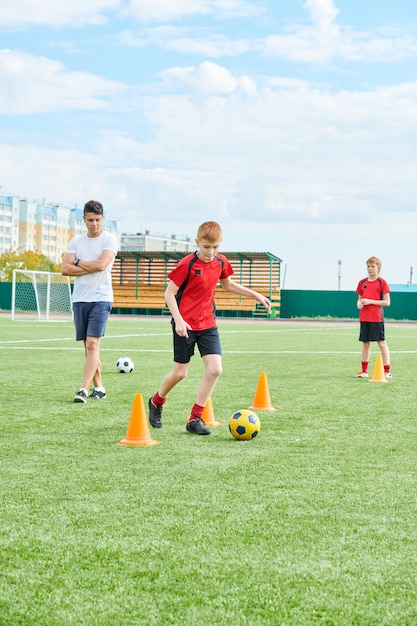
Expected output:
(312, 522)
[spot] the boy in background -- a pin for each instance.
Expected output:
(373, 295)
(190, 299)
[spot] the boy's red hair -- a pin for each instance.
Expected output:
(211, 231)
(374, 260)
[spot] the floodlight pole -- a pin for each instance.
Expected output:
(339, 273)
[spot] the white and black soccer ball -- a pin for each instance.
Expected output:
(125, 365)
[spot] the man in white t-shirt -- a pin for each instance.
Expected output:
(89, 258)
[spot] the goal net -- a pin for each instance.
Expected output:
(41, 295)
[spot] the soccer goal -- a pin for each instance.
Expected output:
(41, 295)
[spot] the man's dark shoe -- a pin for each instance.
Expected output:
(155, 415)
(80, 396)
(97, 395)
(197, 427)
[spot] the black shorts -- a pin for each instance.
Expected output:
(208, 342)
(372, 331)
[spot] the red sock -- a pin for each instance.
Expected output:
(387, 369)
(196, 411)
(365, 366)
(157, 400)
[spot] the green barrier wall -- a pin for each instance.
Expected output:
(5, 296)
(297, 303)
(342, 304)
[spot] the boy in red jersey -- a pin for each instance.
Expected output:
(373, 294)
(190, 298)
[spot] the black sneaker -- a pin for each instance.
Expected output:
(97, 395)
(80, 396)
(197, 427)
(155, 415)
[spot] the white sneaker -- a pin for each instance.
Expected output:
(388, 376)
(362, 375)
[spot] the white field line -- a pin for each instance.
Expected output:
(160, 334)
(31, 344)
(77, 347)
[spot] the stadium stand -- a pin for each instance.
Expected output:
(140, 280)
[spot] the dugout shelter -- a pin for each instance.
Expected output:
(140, 279)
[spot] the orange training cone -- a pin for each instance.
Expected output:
(138, 430)
(208, 415)
(262, 401)
(378, 375)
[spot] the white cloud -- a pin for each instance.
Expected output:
(165, 10)
(324, 40)
(290, 168)
(186, 40)
(38, 85)
(295, 151)
(302, 169)
(323, 13)
(319, 42)
(55, 13)
(209, 78)
(390, 46)
(216, 46)
(310, 45)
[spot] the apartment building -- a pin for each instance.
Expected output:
(9, 223)
(41, 226)
(142, 242)
(45, 227)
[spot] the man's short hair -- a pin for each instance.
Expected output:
(93, 206)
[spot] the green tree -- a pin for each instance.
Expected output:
(24, 260)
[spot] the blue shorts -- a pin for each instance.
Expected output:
(208, 342)
(90, 319)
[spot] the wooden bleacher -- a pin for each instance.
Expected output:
(140, 279)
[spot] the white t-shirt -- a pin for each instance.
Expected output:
(96, 287)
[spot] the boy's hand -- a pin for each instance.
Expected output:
(182, 328)
(265, 302)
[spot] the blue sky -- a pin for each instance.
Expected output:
(293, 124)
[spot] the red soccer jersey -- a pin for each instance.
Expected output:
(196, 304)
(373, 290)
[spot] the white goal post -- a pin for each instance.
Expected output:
(41, 295)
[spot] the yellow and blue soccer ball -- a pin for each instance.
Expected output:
(244, 424)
